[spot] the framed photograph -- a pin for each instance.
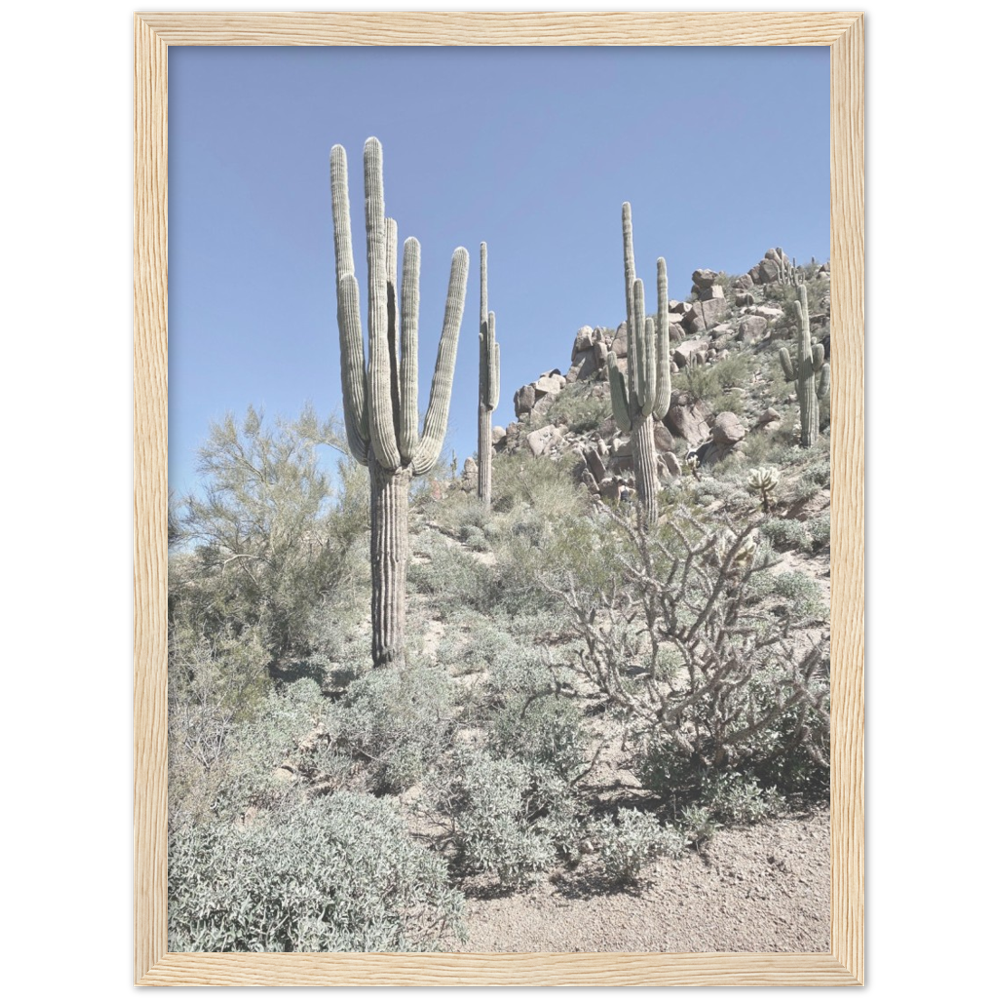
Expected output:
(832, 371)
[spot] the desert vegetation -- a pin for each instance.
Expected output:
(616, 662)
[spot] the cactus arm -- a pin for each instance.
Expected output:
(341, 214)
(436, 419)
(649, 367)
(823, 381)
(352, 368)
(629, 260)
(636, 342)
(802, 311)
(493, 394)
(818, 357)
(381, 425)
(619, 395)
(483, 299)
(663, 387)
(409, 417)
(787, 367)
(392, 313)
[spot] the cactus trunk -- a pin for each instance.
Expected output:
(810, 372)
(644, 460)
(485, 455)
(489, 384)
(390, 490)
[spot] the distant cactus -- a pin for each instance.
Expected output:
(810, 372)
(646, 396)
(489, 383)
(764, 482)
(380, 402)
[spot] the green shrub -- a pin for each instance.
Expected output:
(819, 530)
(578, 407)
(338, 874)
(787, 533)
(629, 844)
(732, 798)
(697, 825)
(396, 723)
(544, 730)
(510, 818)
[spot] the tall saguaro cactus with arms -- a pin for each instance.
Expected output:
(810, 372)
(380, 401)
(489, 383)
(645, 396)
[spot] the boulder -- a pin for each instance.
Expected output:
(742, 283)
(663, 439)
(524, 400)
(619, 345)
(714, 292)
(594, 464)
(768, 312)
(683, 352)
(588, 480)
(584, 339)
(499, 434)
(754, 273)
(548, 384)
(744, 299)
(704, 315)
(676, 332)
(703, 277)
(670, 463)
(727, 429)
(769, 416)
(751, 329)
(541, 440)
(768, 271)
(722, 331)
(688, 418)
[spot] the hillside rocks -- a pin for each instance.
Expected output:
(723, 314)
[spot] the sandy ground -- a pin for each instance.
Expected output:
(765, 888)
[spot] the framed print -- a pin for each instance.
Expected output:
(842, 33)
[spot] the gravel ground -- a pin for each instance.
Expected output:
(766, 888)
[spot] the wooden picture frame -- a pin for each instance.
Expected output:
(843, 33)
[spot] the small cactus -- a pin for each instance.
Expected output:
(810, 372)
(645, 398)
(380, 401)
(489, 383)
(764, 482)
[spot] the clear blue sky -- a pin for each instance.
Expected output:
(723, 152)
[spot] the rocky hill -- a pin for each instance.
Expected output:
(726, 388)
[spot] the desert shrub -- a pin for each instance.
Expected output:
(541, 729)
(338, 874)
(578, 407)
(733, 798)
(266, 536)
(698, 826)
(819, 529)
(450, 575)
(801, 597)
(787, 533)
(712, 382)
(396, 723)
(629, 843)
(510, 818)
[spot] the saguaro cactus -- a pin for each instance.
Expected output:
(810, 372)
(489, 383)
(646, 395)
(380, 402)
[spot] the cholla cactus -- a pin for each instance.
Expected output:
(743, 555)
(764, 482)
(810, 373)
(489, 383)
(380, 402)
(645, 398)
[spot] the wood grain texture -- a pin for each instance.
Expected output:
(843, 33)
(847, 479)
(415, 28)
(149, 289)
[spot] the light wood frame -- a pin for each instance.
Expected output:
(843, 33)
